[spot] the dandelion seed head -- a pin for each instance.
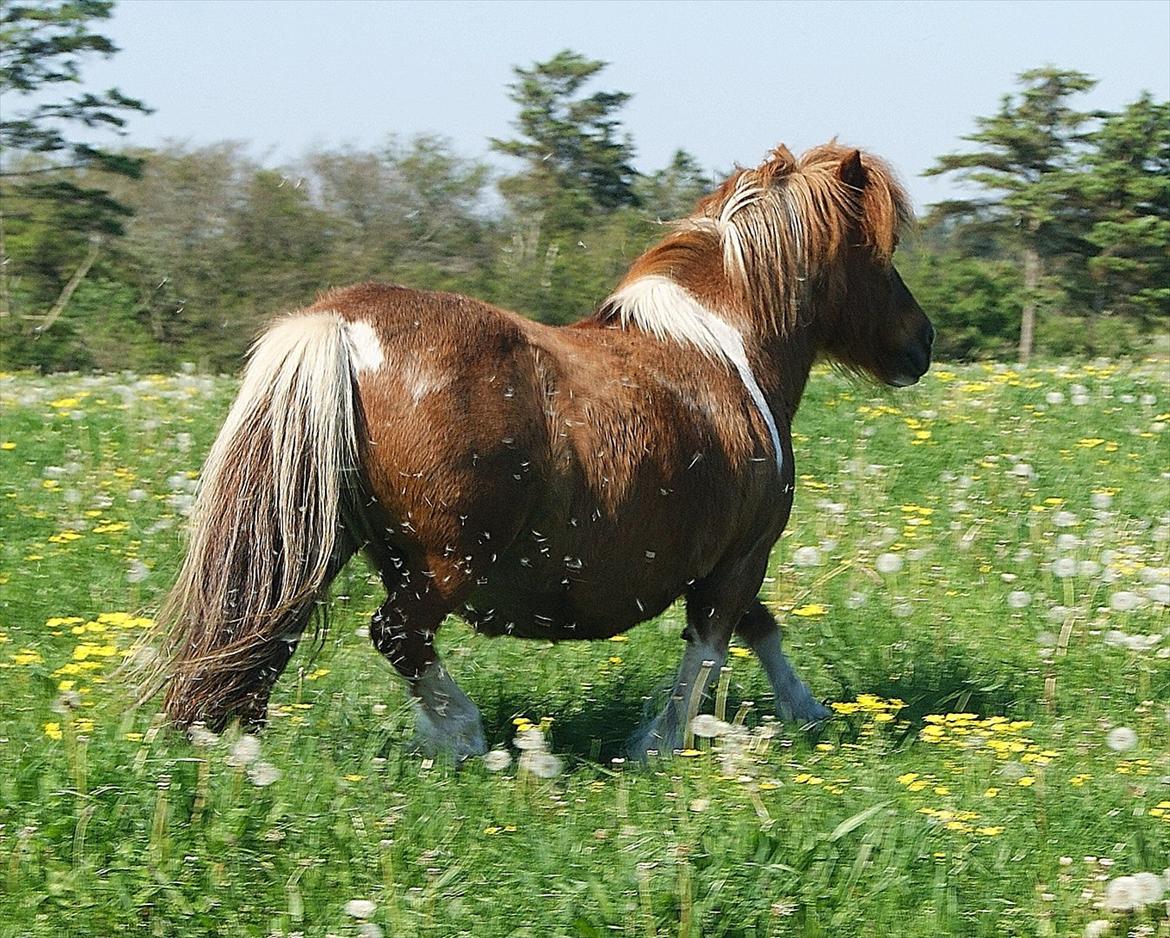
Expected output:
(497, 760)
(1121, 739)
(806, 557)
(1121, 895)
(888, 563)
(1019, 599)
(245, 751)
(707, 726)
(201, 737)
(263, 774)
(540, 763)
(360, 908)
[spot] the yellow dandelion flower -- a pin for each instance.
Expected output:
(53, 730)
(810, 609)
(1027, 781)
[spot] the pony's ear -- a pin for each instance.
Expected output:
(851, 172)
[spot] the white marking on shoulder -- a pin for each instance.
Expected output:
(664, 309)
(364, 347)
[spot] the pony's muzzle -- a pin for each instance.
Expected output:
(915, 358)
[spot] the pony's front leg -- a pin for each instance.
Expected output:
(707, 635)
(794, 701)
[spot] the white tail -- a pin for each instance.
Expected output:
(266, 529)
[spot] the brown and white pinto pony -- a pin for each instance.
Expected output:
(543, 482)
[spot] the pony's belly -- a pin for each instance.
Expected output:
(561, 614)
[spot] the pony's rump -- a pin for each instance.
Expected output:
(266, 535)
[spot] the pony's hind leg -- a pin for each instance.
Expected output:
(794, 700)
(403, 630)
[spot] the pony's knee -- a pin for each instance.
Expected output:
(410, 650)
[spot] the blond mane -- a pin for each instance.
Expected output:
(752, 250)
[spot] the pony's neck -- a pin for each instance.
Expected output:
(782, 364)
(774, 366)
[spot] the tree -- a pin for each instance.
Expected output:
(412, 209)
(1028, 148)
(47, 168)
(573, 155)
(1121, 188)
(575, 182)
(671, 193)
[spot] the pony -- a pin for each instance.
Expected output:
(544, 482)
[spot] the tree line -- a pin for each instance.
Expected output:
(148, 257)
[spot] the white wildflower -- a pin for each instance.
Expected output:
(806, 557)
(1148, 888)
(245, 751)
(497, 760)
(707, 726)
(1121, 895)
(540, 763)
(1121, 739)
(263, 774)
(201, 737)
(530, 738)
(360, 908)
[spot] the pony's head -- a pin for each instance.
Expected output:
(808, 244)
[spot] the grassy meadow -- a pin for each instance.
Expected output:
(977, 573)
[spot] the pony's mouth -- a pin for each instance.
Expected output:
(915, 360)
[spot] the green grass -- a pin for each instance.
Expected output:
(913, 825)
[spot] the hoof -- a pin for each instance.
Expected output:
(459, 750)
(447, 738)
(810, 715)
(646, 743)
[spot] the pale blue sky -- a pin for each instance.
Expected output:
(725, 80)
